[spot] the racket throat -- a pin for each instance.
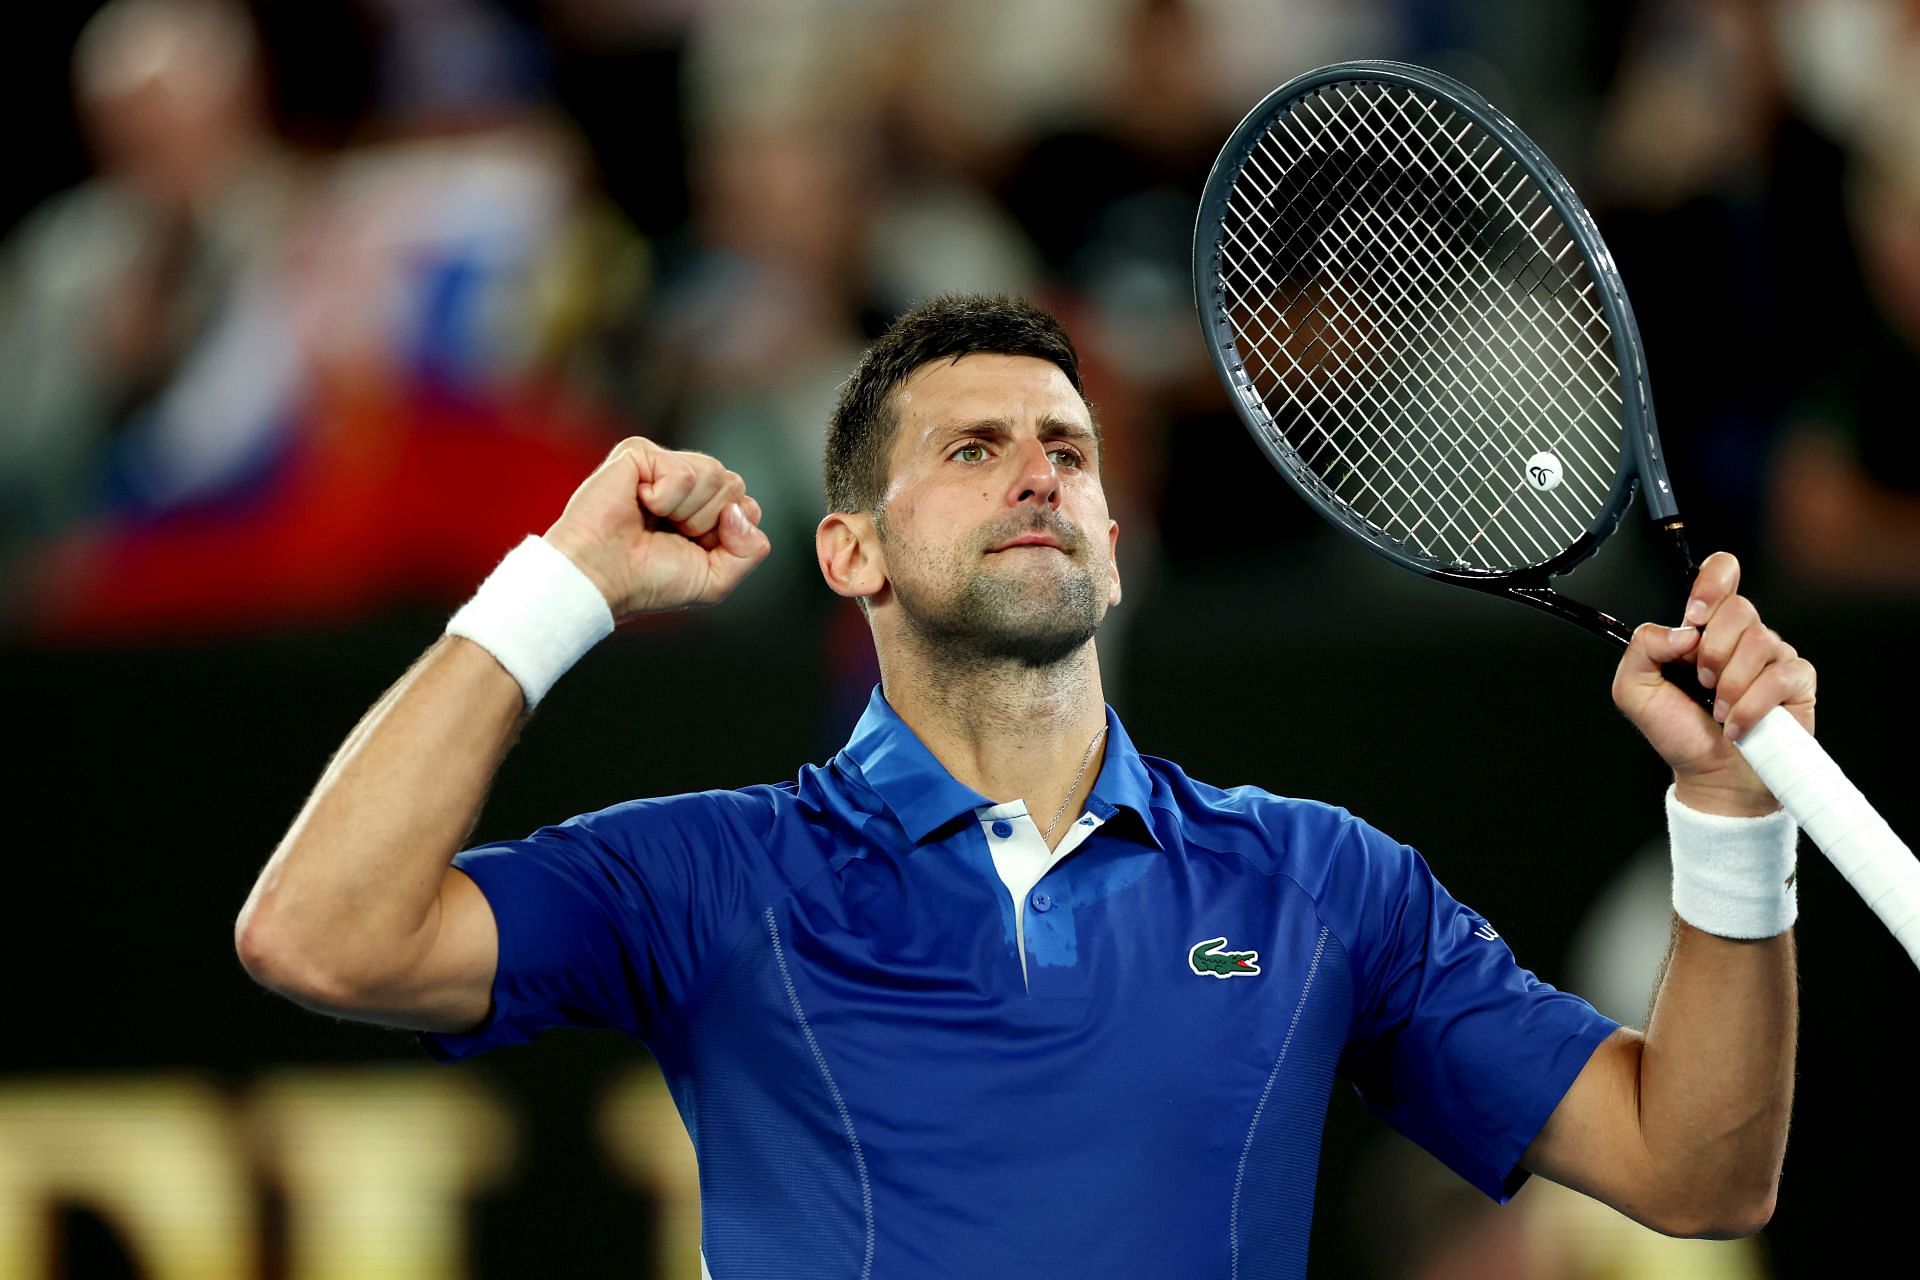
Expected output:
(1584, 616)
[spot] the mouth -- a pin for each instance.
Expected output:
(1030, 540)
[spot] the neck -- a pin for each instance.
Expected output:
(1008, 730)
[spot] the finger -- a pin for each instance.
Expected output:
(704, 500)
(669, 486)
(1653, 646)
(633, 456)
(626, 447)
(1717, 581)
(742, 546)
(1790, 684)
(615, 481)
(707, 516)
(711, 538)
(1732, 619)
(1758, 646)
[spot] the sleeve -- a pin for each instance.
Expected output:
(608, 919)
(1452, 1043)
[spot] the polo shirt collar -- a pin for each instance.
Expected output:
(924, 797)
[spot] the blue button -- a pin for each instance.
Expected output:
(1042, 901)
(1003, 828)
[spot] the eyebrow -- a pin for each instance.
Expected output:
(1051, 428)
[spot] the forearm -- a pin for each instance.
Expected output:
(353, 883)
(1716, 1075)
(1685, 1127)
(356, 912)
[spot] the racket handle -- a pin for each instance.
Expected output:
(1831, 810)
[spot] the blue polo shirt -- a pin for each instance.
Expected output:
(880, 1084)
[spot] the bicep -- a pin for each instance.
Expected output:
(1453, 1043)
(601, 921)
(445, 979)
(1592, 1141)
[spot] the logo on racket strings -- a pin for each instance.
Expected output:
(1543, 471)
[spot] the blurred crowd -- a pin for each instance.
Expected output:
(354, 294)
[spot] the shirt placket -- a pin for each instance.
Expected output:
(1044, 924)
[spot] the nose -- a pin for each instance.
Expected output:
(1035, 478)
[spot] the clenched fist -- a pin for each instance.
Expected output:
(1750, 671)
(658, 529)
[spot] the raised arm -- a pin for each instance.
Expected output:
(1685, 1128)
(359, 912)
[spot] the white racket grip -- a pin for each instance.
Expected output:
(1830, 809)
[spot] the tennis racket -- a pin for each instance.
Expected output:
(1417, 319)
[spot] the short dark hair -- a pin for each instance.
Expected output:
(860, 434)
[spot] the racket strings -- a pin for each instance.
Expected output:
(1409, 308)
(1416, 324)
(1414, 306)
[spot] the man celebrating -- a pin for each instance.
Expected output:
(990, 993)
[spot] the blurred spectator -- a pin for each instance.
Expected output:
(829, 194)
(1722, 204)
(1109, 199)
(396, 385)
(938, 228)
(1846, 483)
(114, 290)
(759, 318)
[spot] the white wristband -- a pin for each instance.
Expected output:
(536, 613)
(1733, 877)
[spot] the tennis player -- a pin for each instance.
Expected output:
(990, 992)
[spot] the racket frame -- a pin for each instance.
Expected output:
(1794, 767)
(1641, 463)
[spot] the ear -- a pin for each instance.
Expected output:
(1113, 562)
(850, 556)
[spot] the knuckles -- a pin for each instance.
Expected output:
(1735, 616)
(637, 447)
(691, 459)
(1784, 677)
(1736, 610)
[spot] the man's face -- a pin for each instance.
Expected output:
(994, 526)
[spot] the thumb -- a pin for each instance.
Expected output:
(1653, 647)
(1667, 644)
(742, 545)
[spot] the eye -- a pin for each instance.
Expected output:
(1064, 457)
(977, 450)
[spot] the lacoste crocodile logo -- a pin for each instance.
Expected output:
(1207, 958)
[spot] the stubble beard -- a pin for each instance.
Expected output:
(996, 618)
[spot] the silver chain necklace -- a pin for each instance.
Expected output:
(1047, 834)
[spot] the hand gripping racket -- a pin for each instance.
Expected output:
(1417, 320)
